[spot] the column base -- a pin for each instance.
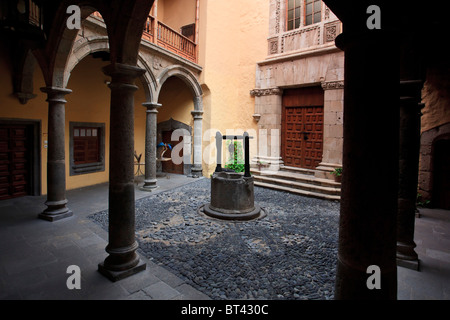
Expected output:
(409, 264)
(119, 275)
(149, 185)
(196, 172)
(148, 188)
(407, 256)
(56, 210)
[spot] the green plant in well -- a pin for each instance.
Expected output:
(236, 162)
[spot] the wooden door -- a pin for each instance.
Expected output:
(302, 127)
(14, 161)
(169, 166)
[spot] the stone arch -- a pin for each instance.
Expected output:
(187, 77)
(64, 46)
(85, 46)
(148, 79)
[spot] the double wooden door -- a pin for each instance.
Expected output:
(302, 127)
(15, 166)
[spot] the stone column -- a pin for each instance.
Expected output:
(56, 165)
(198, 133)
(367, 227)
(150, 146)
(410, 96)
(123, 260)
(268, 113)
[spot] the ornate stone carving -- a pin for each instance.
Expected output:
(277, 15)
(311, 34)
(327, 13)
(266, 92)
(273, 45)
(333, 85)
(157, 64)
(332, 30)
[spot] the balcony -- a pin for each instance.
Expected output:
(169, 39)
(155, 31)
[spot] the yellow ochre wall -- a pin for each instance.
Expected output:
(35, 109)
(233, 38)
(88, 102)
(176, 13)
(177, 102)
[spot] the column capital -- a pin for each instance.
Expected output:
(152, 106)
(197, 114)
(333, 85)
(122, 76)
(411, 90)
(123, 70)
(56, 94)
(266, 92)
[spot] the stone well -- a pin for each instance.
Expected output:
(232, 197)
(232, 194)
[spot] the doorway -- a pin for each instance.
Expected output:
(302, 127)
(19, 159)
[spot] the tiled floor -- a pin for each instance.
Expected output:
(35, 254)
(432, 281)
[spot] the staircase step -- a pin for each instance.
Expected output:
(297, 191)
(297, 170)
(297, 177)
(299, 185)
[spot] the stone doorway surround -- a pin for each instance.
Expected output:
(268, 114)
(170, 126)
(427, 143)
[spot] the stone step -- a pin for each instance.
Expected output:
(297, 177)
(298, 181)
(297, 191)
(305, 171)
(299, 185)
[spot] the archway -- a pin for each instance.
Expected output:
(441, 172)
(174, 126)
(180, 95)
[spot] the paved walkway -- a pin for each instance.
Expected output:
(35, 254)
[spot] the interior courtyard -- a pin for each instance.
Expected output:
(108, 150)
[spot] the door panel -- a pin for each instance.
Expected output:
(14, 161)
(302, 127)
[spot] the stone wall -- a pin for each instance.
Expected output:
(435, 124)
(325, 67)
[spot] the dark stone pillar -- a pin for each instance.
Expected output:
(123, 260)
(56, 165)
(408, 171)
(150, 146)
(367, 228)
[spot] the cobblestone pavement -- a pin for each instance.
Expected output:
(288, 254)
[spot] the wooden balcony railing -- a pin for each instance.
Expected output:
(167, 38)
(170, 39)
(149, 32)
